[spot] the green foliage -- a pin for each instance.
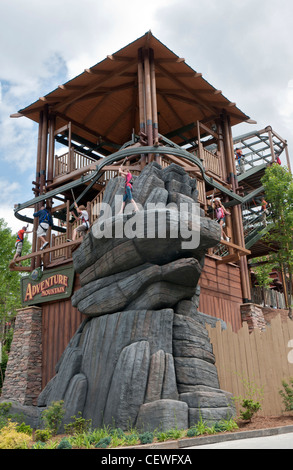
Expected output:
(104, 442)
(201, 427)
(170, 434)
(43, 435)
(146, 437)
(251, 402)
(79, 425)
(278, 185)
(4, 413)
(287, 394)
(262, 272)
(24, 428)
(64, 444)
(250, 408)
(53, 416)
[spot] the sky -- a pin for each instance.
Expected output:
(243, 48)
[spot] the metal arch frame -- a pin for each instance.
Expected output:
(116, 157)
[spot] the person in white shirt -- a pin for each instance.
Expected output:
(84, 217)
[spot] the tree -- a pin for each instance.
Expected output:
(9, 289)
(278, 185)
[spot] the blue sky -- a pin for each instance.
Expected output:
(243, 48)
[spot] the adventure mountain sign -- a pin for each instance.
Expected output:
(46, 286)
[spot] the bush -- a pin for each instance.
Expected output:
(287, 394)
(4, 413)
(103, 443)
(250, 408)
(64, 444)
(10, 438)
(79, 425)
(53, 416)
(146, 437)
(43, 435)
(26, 429)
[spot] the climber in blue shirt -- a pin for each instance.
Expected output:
(45, 221)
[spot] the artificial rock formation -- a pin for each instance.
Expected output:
(143, 356)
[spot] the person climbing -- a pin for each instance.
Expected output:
(45, 221)
(239, 158)
(128, 189)
(19, 242)
(84, 217)
(221, 213)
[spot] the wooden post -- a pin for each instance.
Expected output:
(154, 98)
(269, 129)
(141, 98)
(51, 150)
(68, 228)
(200, 155)
(36, 262)
(237, 215)
(221, 149)
(44, 146)
(287, 156)
(148, 98)
(70, 164)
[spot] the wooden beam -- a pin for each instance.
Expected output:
(49, 250)
(236, 247)
(190, 91)
(229, 259)
(95, 86)
(13, 267)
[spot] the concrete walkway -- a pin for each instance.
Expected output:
(278, 441)
(231, 440)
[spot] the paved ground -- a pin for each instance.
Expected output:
(279, 441)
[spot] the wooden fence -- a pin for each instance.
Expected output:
(268, 298)
(260, 359)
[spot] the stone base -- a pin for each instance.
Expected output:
(162, 415)
(23, 378)
(253, 315)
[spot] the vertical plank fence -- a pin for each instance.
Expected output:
(260, 358)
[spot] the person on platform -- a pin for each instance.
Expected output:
(221, 213)
(84, 217)
(128, 189)
(239, 158)
(19, 242)
(45, 221)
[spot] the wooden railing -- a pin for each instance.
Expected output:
(211, 162)
(63, 165)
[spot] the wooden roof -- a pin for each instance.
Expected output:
(102, 102)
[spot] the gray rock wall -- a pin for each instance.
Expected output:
(143, 356)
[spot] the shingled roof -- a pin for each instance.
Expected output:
(102, 102)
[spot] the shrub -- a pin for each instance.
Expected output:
(250, 403)
(79, 425)
(64, 444)
(103, 443)
(250, 408)
(26, 429)
(146, 438)
(43, 435)
(4, 410)
(53, 416)
(287, 394)
(11, 439)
